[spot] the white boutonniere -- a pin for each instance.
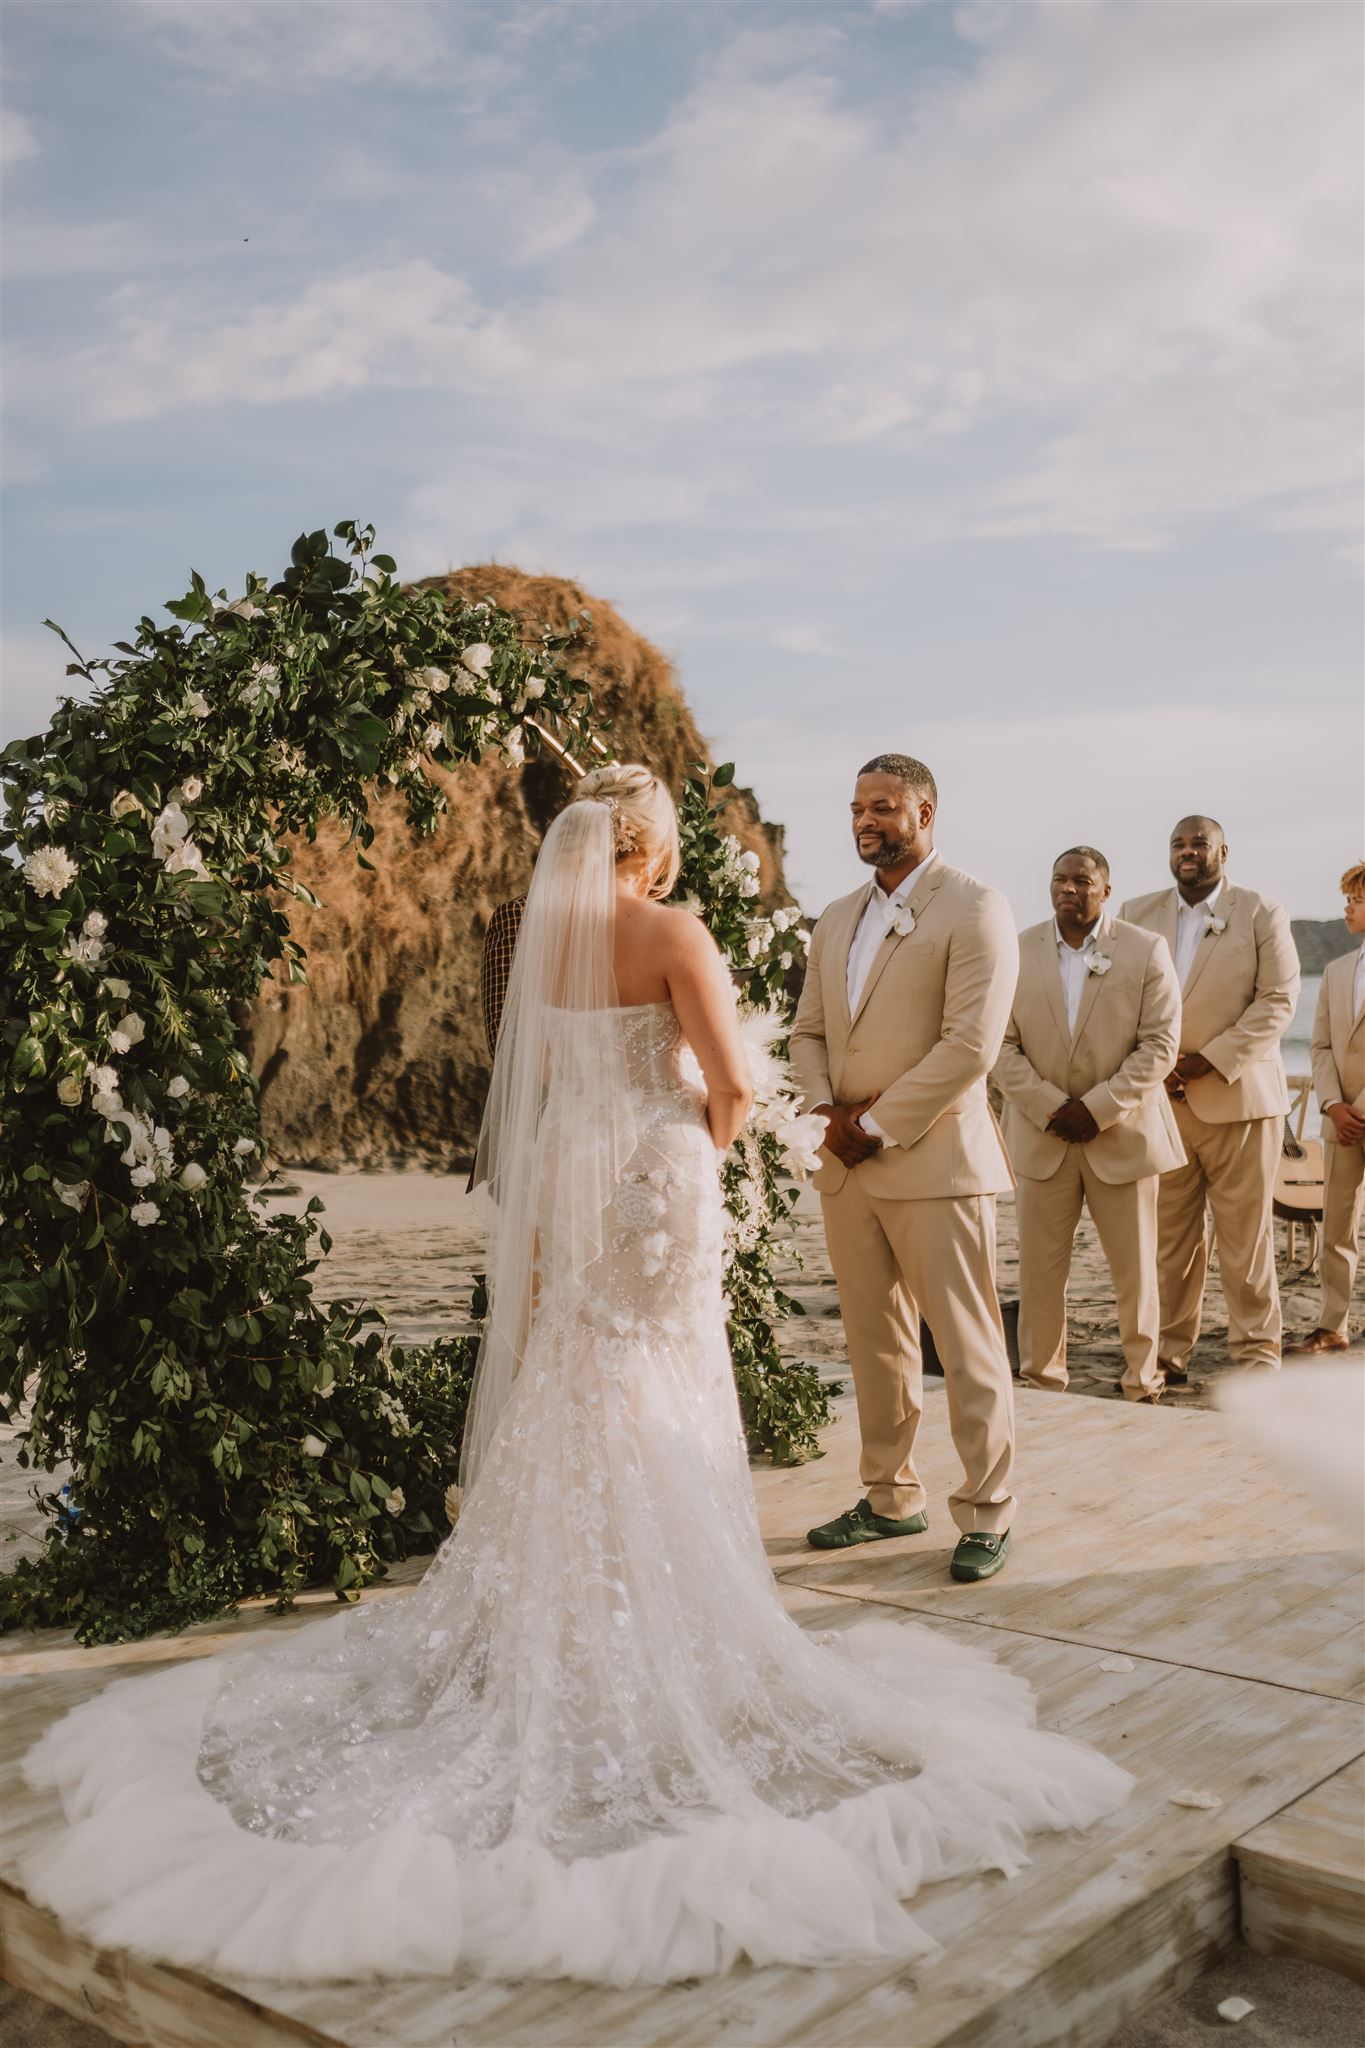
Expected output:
(903, 923)
(1214, 925)
(1100, 963)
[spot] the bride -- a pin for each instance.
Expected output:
(590, 1744)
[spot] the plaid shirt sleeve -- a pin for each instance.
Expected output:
(500, 943)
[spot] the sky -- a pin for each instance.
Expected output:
(973, 380)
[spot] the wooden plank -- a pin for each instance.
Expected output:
(1204, 1555)
(149, 2004)
(1208, 1562)
(1302, 1877)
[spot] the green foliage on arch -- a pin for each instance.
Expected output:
(228, 1433)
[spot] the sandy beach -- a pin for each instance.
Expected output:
(411, 1242)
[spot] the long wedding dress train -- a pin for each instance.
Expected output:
(591, 1743)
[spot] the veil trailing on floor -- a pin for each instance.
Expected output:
(559, 1124)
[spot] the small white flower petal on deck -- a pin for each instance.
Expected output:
(1235, 2009)
(1117, 1664)
(1206, 1801)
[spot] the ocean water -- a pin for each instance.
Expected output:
(1298, 1036)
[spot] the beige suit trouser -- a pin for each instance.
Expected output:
(895, 1261)
(1231, 1167)
(1343, 1176)
(1125, 1217)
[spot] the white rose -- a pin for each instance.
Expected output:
(101, 1078)
(192, 1177)
(177, 1086)
(85, 952)
(785, 962)
(72, 1192)
(144, 1213)
(749, 885)
(249, 694)
(123, 803)
(70, 1089)
(95, 926)
(478, 659)
(50, 870)
(186, 860)
(197, 704)
(1100, 963)
(170, 829)
(749, 861)
(396, 1501)
(535, 687)
(243, 1146)
(516, 751)
(435, 680)
(142, 1176)
(313, 1446)
(434, 736)
(191, 789)
(129, 1031)
(756, 944)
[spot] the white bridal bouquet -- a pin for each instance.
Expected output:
(777, 1096)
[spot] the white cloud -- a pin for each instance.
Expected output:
(1116, 260)
(293, 45)
(18, 138)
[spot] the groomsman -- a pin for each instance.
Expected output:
(906, 999)
(1339, 1077)
(1090, 1041)
(1239, 978)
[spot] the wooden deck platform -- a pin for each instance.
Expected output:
(1171, 1602)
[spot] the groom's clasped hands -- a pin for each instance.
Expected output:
(844, 1134)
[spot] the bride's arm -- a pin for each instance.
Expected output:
(699, 986)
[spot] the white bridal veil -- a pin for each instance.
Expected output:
(558, 1128)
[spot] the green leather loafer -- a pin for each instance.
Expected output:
(860, 1525)
(979, 1556)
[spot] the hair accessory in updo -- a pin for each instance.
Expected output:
(643, 818)
(625, 836)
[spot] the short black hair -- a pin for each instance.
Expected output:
(907, 769)
(1086, 853)
(1199, 818)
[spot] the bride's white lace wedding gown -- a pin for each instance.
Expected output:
(591, 1743)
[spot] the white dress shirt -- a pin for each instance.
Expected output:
(1074, 962)
(873, 926)
(1190, 924)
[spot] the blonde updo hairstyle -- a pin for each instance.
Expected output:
(644, 818)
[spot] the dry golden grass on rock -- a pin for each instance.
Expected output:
(381, 1058)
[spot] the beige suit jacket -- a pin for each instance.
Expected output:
(1127, 1028)
(924, 1037)
(1339, 1043)
(1237, 999)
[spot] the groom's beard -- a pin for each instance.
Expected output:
(885, 854)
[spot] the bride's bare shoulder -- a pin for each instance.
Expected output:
(681, 929)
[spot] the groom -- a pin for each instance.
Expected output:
(906, 1000)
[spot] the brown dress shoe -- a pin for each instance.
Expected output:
(1318, 1341)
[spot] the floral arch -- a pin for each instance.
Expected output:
(228, 1434)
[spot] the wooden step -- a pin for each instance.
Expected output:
(1302, 1877)
(1168, 1598)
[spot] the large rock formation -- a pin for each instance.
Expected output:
(381, 1058)
(1320, 940)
